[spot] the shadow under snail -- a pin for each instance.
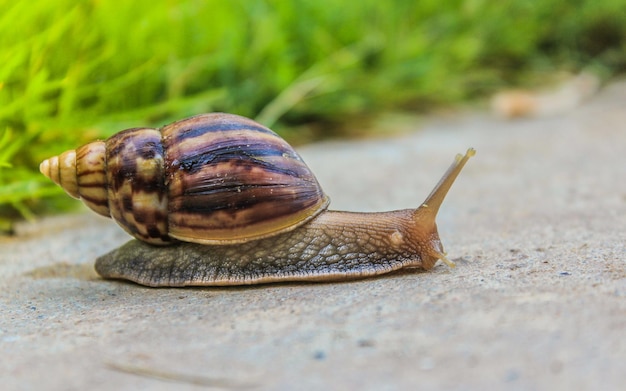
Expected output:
(218, 199)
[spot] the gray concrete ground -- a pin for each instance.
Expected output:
(536, 224)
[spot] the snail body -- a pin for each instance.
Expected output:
(218, 199)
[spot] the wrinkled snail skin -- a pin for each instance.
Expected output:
(219, 199)
(325, 249)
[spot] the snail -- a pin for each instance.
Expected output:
(218, 199)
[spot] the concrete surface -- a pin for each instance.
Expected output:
(536, 224)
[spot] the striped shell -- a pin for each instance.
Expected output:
(212, 179)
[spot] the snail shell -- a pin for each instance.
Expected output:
(212, 179)
(236, 205)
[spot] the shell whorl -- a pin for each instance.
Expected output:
(213, 179)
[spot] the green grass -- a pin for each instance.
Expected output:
(74, 71)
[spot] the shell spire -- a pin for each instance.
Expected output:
(81, 173)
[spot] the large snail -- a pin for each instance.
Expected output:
(218, 199)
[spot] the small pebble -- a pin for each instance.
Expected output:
(319, 355)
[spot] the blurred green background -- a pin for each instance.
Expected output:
(71, 72)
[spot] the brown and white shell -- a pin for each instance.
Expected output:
(211, 179)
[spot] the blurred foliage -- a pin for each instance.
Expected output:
(74, 71)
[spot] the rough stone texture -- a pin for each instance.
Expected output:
(536, 224)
